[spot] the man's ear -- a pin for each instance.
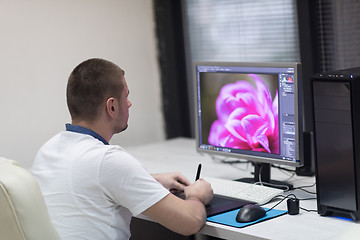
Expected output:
(111, 106)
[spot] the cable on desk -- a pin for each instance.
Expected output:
(302, 188)
(305, 199)
(308, 210)
(284, 197)
(266, 184)
(288, 196)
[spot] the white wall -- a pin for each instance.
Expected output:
(41, 42)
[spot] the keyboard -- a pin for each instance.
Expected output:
(244, 191)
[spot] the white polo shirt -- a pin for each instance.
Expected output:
(92, 189)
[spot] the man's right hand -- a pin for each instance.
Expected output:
(187, 216)
(200, 190)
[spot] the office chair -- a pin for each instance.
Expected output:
(23, 213)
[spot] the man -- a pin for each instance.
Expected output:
(92, 189)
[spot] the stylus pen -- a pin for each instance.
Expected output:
(198, 172)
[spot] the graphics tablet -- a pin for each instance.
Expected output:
(219, 204)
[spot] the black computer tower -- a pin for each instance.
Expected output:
(336, 106)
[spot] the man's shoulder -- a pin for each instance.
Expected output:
(65, 138)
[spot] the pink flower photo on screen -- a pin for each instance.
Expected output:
(247, 117)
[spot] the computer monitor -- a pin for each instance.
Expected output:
(250, 111)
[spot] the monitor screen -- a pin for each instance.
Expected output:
(251, 111)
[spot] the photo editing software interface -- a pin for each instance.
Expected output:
(250, 111)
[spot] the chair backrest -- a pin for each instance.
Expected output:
(23, 212)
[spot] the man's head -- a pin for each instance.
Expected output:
(95, 87)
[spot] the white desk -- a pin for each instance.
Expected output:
(180, 155)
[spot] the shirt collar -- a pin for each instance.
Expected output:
(83, 130)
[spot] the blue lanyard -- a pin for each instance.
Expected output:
(79, 129)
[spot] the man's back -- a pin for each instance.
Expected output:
(72, 170)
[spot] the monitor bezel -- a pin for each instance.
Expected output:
(298, 113)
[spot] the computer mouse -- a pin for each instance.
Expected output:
(250, 213)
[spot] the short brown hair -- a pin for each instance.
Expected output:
(89, 85)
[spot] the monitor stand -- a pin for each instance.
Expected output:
(263, 173)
